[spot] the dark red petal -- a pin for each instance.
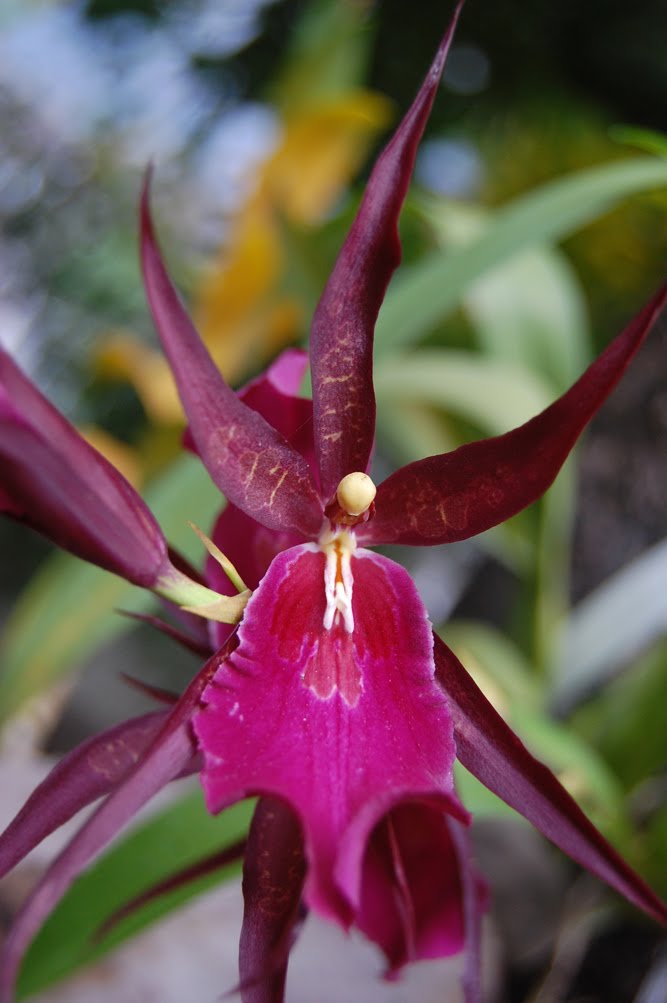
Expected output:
(250, 461)
(53, 480)
(273, 876)
(412, 899)
(193, 644)
(457, 495)
(165, 758)
(275, 395)
(495, 755)
(341, 343)
(82, 776)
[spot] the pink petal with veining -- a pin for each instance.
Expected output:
(342, 726)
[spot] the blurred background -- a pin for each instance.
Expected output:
(536, 227)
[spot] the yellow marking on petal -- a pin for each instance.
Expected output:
(278, 485)
(221, 558)
(251, 472)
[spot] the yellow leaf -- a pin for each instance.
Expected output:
(321, 150)
(123, 357)
(123, 457)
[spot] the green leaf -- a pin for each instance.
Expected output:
(529, 309)
(172, 839)
(68, 609)
(647, 140)
(611, 626)
(501, 670)
(492, 394)
(412, 431)
(329, 49)
(582, 771)
(494, 661)
(626, 723)
(422, 297)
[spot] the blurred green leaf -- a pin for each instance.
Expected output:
(529, 309)
(493, 659)
(647, 140)
(172, 839)
(422, 297)
(611, 626)
(412, 431)
(328, 54)
(656, 855)
(502, 671)
(626, 721)
(551, 585)
(493, 394)
(68, 609)
(579, 768)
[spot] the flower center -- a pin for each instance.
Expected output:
(356, 493)
(338, 546)
(353, 504)
(354, 501)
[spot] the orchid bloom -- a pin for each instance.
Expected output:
(326, 693)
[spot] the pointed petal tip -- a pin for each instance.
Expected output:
(344, 321)
(438, 64)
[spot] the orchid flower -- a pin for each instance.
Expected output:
(326, 693)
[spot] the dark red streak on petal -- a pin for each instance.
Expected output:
(201, 869)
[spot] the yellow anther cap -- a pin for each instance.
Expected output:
(356, 493)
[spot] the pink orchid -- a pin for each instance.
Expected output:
(331, 699)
